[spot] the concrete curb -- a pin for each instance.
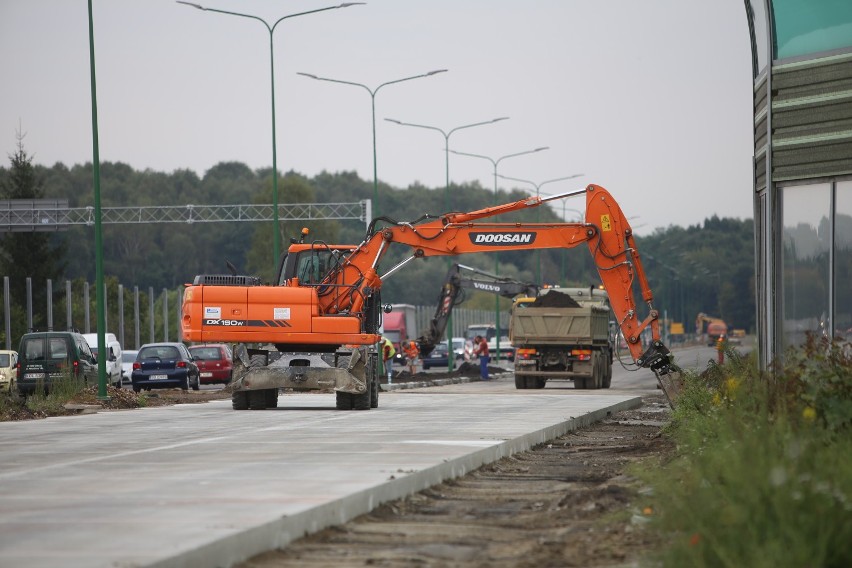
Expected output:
(279, 533)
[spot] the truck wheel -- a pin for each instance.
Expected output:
(239, 400)
(580, 382)
(271, 398)
(539, 382)
(607, 379)
(597, 371)
(520, 382)
(257, 399)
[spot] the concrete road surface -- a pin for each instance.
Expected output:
(203, 485)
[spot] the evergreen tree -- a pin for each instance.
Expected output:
(37, 255)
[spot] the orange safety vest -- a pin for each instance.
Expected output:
(410, 349)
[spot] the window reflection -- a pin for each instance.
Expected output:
(843, 260)
(806, 243)
(804, 27)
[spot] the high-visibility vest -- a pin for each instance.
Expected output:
(388, 350)
(410, 349)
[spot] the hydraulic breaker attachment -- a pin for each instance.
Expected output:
(659, 359)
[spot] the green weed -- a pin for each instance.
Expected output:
(763, 473)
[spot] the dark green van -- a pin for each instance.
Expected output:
(46, 356)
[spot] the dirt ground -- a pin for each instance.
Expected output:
(570, 502)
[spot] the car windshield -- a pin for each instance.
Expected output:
(159, 352)
(206, 353)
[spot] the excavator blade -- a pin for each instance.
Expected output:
(671, 382)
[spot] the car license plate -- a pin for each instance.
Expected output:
(33, 375)
(159, 377)
(206, 375)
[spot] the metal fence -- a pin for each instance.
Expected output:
(140, 316)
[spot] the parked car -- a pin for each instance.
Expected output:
(8, 370)
(437, 358)
(215, 362)
(47, 356)
(163, 366)
(127, 359)
(113, 355)
(463, 349)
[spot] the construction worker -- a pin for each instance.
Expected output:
(388, 351)
(720, 348)
(480, 349)
(409, 348)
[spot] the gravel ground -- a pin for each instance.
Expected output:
(570, 502)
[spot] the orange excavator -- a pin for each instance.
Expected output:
(317, 326)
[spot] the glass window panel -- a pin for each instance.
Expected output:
(805, 260)
(843, 260)
(803, 27)
(759, 25)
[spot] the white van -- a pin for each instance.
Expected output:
(113, 355)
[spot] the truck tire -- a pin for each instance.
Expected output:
(597, 371)
(239, 400)
(520, 382)
(539, 382)
(607, 380)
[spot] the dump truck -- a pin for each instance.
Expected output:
(317, 326)
(564, 334)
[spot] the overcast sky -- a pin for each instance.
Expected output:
(650, 98)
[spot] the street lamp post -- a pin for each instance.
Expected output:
(538, 187)
(276, 248)
(373, 103)
(446, 134)
(495, 163)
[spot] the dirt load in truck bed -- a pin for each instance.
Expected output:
(569, 502)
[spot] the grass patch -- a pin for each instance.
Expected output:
(763, 470)
(62, 389)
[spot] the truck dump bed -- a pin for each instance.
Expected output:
(559, 326)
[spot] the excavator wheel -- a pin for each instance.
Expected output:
(374, 393)
(257, 399)
(271, 398)
(239, 400)
(349, 401)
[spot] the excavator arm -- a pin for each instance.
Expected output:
(451, 294)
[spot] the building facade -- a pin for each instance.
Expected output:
(802, 71)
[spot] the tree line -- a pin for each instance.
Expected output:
(703, 268)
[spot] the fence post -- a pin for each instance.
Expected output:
(49, 304)
(136, 316)
(151, 310)
(121, 315)
(29, 304)
(68, 317)
(6, 307)
(87, 321)
(165, 314)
